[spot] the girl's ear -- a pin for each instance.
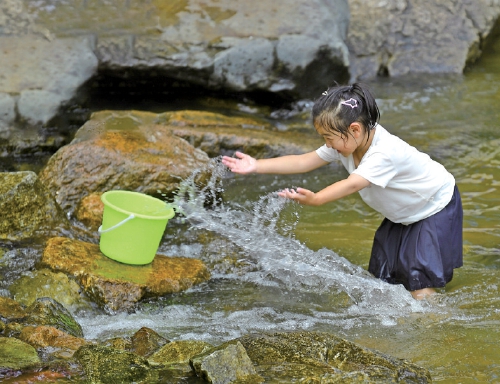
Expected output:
(356, 129)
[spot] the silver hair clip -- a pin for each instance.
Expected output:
(353, 103)
(325, 93)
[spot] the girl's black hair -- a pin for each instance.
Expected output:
(329, 112)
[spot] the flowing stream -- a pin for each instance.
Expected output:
(281, 266)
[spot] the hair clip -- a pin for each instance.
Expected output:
(353, 103)
(325, 93)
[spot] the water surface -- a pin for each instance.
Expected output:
(281, 266)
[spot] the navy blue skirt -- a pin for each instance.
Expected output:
(422, 254)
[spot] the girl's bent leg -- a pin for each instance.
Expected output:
(421, 294)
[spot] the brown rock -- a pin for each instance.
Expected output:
(146, 341)
(90, 211)
(45, 336)
(116, 286)
(124, 151)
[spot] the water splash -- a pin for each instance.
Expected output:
(257, 229)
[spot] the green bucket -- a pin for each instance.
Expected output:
(132, 226)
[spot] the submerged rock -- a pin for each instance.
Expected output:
(116, 286)
(28, 208)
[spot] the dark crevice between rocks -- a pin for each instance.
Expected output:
(154, 91)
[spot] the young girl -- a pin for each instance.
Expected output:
(419, 242)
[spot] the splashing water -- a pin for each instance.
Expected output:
(282, 261)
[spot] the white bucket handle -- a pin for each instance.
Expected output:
(100, 230)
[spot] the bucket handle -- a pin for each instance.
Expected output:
(100, 230)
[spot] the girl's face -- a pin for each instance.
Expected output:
(345, 145)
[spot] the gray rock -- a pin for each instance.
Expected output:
(408, 36)
(44, 74)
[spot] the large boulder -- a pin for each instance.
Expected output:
(120, 151)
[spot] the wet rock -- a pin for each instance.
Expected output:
(225, 364)
(146, 341)
(13, 329)
(121, 343)
(107, 365)
(45, 283)
(16, 354)
(46, 311)
(116, 286)
(11, 310)
(60, 344)
(177, 354)
(289, 356)
(120, 151)
(27, 206)
(89, 211)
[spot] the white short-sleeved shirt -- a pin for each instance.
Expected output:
(406, 185)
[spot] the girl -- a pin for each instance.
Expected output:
(419, 242)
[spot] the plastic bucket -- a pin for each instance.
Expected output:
(132, 226)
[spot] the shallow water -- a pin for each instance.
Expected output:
(281, 266)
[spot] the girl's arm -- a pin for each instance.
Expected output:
(245, 164)
(342, 188)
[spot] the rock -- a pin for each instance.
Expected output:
(115, 286)
(290, 356)
(45, 283)
(146, 341)
(89, 211)
(177, 354)
(225, 364)
(60, 344)
(16, 354)
(120, 151)
(229, 45)
(217, 134)
(407, 37)
(11, 310)
(46, 311)
(45, 74)
(109, 366)
(28, 209)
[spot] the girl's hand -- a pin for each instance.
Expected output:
(301, 195)
(243, 164)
